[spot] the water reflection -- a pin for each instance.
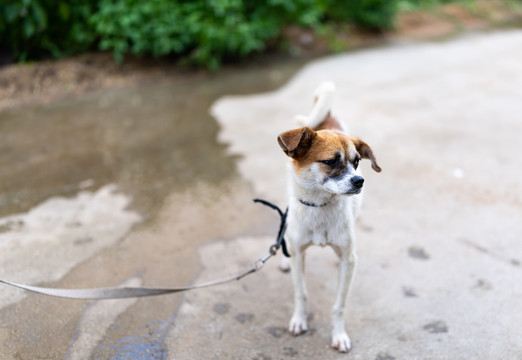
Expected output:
(149, 140)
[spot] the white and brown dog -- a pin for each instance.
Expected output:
(325, 193)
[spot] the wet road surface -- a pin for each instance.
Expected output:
(78, 175)
(146, 188)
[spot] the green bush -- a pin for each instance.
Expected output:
(205, 32)
(39, 28)
(202, 32)
(414, 5)
(375, 15)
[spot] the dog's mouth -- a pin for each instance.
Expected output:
(353, 192)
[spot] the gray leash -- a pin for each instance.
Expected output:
(133, 292)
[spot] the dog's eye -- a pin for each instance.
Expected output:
(356, 163)
(331, 162)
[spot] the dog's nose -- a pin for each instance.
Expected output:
(357, 181)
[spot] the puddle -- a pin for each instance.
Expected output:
(158, 145)
(149, 140)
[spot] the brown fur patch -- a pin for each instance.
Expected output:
(329, 122)
(295, 143)
(307, 146)
(325, 145)
(366, 152)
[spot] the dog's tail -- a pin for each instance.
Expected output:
(324, 96)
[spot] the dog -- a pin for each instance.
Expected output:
(325, 188)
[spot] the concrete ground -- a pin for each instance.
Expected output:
(440, 257)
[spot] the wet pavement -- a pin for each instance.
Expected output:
(153, 186)
(78, 175)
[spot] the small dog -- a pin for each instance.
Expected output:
(325, 193)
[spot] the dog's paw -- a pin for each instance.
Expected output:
(297, 325)
(285, 265)
(341, 342)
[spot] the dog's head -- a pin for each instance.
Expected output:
(327, 159)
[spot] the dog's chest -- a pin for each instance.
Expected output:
(321, 226)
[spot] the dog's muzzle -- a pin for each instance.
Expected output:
(357, 181)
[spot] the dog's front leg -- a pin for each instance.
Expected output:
(298, 322)
(348, 260)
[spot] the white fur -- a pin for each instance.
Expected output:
(324, 98)
(331, 225)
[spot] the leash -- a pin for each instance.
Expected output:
(135, 292)
(280, 242)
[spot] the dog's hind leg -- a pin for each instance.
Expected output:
(348, 260)
(298, 323)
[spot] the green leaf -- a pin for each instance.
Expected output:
(39, 16)
(64, 10)
(12, 11)
(28, 28)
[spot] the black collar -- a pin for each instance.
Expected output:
(312, 204)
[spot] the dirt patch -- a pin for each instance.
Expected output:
(450, 19)
(47, 81)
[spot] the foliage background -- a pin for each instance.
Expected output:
(201, 32)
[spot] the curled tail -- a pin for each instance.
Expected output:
(324, 96)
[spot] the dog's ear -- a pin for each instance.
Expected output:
(295, 143)
(366, 152)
